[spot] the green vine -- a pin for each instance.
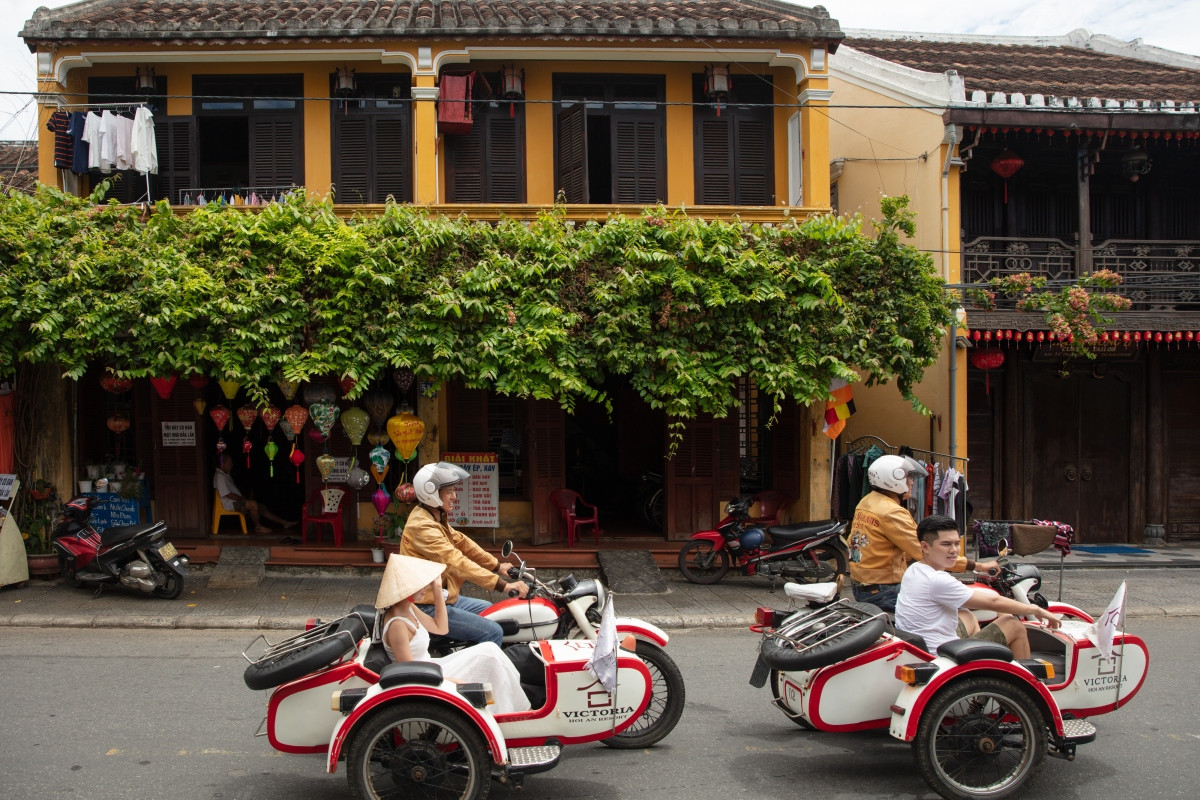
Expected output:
(678, 306)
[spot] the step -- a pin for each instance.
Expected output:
(1078, 731)
(528, 760)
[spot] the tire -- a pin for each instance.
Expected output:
(841, 642)
(830, 562)
(777, 693)
(172, 586)
(700, 563)
(418, 750)
(272, 671)
(665, 706)
(980, 738)
(68, 574)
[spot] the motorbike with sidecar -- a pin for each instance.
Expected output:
(405, 728)
(981, 722)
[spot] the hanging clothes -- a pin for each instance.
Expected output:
(64, 150)
(79, 147)
(143, 146)
(869, 457)
(91, 135)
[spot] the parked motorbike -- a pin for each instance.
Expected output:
(1021, 582)
(567, 608)
(808, 552)
(137, 556)
(981, 722)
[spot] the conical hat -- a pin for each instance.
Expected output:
(403, 577)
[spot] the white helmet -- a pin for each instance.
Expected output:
(889, 473)
(432, 478)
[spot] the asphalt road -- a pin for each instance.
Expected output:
(100, 714)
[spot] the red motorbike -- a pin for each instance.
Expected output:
(136, 556)
(807, 552)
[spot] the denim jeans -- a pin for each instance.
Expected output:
(883, 596)
(465, 623)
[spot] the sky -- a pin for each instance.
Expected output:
(1171, 24)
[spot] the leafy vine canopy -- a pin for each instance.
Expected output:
(678, 306)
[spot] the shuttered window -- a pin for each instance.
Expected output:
(487, 165)
(734, 145)
(372, 142)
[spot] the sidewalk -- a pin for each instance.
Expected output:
(1161, 582)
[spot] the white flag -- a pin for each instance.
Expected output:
(1107, 624)
(603, 662)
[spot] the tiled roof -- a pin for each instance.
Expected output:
(274, 20)
(1029, 69)
(18, 165)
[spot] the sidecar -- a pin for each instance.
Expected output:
(982, 722)
(405, 727)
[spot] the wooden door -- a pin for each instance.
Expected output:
(180, 482)
(547, 467)
(1183, 468)
(1078, 451)
(695, 479)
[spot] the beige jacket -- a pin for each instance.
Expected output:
(883, 536)
(425, 537)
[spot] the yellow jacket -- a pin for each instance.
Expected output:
(883, 541)
(425, 537)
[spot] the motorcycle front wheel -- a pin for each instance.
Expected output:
(701, 563)
(418, 750)
(820, 565)
(666, 701)
(983, 738)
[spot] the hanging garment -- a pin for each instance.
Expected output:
(92, 135)
(869, 457)
(142, 142)
(64, 147)
(79, 148)
(122, 142)
(108, 140)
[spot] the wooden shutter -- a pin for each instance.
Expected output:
(637, 159)
(465, 167)
(734, 159)
(547, 466)
(468, 420)
(174, 139)
(505, 158)
(787, 450)
(692, 481)
(754, 166)
(181, 486)
(572, 154)
(714, 162)
(392, 159)
(351, 167)
(275, 151)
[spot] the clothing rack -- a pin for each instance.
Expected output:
(112, 107)
(864, 443)
(211, 193)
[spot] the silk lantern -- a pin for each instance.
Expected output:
(323, 414)
(380, 458)
(246, 448)
(378, 403)
(111, 383)
(381, 501)
(270, 417)
(404, 378)
(357, 478)
(246, 415)
(199, 405)
(164, 385)
(220, 416)
(987, 360)
(354, 424)
(406, 431)
(297, 458)
(296, 416)
(377, 437)
(318, 393)
(229, 388)
(406, 493)
(347, 384)
(325, 464)
(288, 388)
(1006, 165)
(197, 381)
(286, 427)
(271, 449)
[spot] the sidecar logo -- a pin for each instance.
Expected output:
(598, 698)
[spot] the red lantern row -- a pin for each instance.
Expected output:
(1158, 337)
(1164, 135)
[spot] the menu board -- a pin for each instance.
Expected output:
(479, 501)
(114, 510)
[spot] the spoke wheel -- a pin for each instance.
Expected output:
(700, 563)
(418, 751)
(983, 738)
(666, 701)
(823, 565)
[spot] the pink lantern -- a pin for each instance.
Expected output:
(381, 500)
(164, 386)
(198, 381)
(270, 417)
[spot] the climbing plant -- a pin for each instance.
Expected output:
(678, 306)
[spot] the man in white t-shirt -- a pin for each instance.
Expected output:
(934, 605)
(232, 500)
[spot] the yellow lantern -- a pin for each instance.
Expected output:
(199, 405)
(354, 423)
(229, 388)
(406, 431)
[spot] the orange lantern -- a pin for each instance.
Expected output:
(296, 416)
(199, 405)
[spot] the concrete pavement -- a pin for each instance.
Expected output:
(1161, 582)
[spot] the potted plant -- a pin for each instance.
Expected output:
(389, 526)
(36, 524)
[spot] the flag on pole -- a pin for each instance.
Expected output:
(1107, 624)
(838, 408)
(603, 662)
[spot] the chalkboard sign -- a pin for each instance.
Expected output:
(114, 510)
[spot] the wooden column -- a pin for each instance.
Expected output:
(1156, 455)
(1084, 263)
(1012, 445)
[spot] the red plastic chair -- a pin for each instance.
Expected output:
(570, 505)
(769, 503)
(326, 509)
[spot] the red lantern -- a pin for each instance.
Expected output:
(198, 381)
(1158, 337)
(1006, 165)
(1190, 335)
(1041, 336)
(111, 383)
(164, 386)
(1137, 336)
(297, 458)
(220, 416)
(118, 423)
(987, 359)
(1125, 336)
(1146, 336)
(976, 335)
(1029, 336)
(1104, 336)
(346, 384)
(987, 336)
(1008, 335)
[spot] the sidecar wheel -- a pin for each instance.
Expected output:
(982, 738)
(666, 701)
(843, 639)
(418, 750)
(700, 563)
(272, 671)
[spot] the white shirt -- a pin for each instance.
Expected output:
(145, 148)
(224, 485)
(91, 135)
(928, 604)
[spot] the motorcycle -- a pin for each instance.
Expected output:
(1021, 582)
(403, 730)
(808, 552)
(137, 556)
(981, 722)
(567, 608)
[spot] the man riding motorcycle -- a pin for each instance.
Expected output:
(883, 535)
(428, 535)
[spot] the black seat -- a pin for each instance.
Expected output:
(401, 672)
(123, 533)
(964, 651)
(783, 534)
(915, 639)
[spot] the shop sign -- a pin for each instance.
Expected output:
(7, 485)
(341, 470)
(114, 510)
(179, 434)
(479, 501)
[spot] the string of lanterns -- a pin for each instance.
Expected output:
(1157, 337)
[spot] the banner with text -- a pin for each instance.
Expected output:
(479, 501)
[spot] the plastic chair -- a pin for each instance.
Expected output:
(328, 503)
(219, 511)
(569, 505)
(769, 503)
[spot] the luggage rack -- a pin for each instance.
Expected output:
(328, 631)
(824, 625)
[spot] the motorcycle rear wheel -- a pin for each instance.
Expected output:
(981, 739)
(172, 586)
(829, 562)
(665, 706)
(68, 573)
(701, 563)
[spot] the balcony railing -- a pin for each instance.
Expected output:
(1158, 275)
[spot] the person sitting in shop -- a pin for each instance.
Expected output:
(232, 499)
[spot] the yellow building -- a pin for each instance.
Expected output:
(488, 109)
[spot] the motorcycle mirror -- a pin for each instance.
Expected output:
(506, 549)
(1002, 546)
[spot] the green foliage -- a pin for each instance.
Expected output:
(678, 306)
